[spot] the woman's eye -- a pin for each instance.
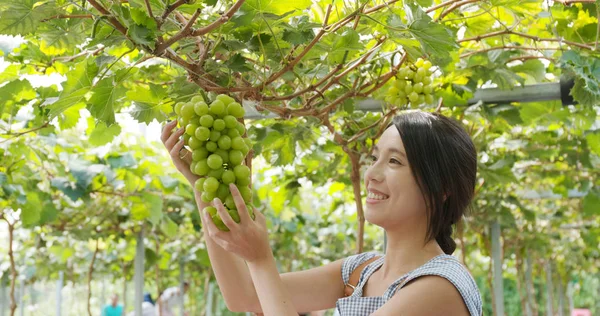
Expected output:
(395, 161)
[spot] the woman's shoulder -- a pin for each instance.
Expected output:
(449, 268)
(352, 262)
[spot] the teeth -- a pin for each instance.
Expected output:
(375, 196)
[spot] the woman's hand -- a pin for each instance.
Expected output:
(248, 239)
(181, 157)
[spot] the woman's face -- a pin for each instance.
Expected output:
(393, 195)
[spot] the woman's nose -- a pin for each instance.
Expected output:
(374, 173)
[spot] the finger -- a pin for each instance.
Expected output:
(239, 203)
(209, 225)
(167, 130)
(174, 138)
(176, 151)
(225, 217)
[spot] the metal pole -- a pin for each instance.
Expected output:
(497, 267)
(528, 286)
(139, 272)
(59, 286)
(529, 93)
(2, 297)
(22, 297)
(209, 300)
(549, 298)
(181, 286)
(561, 298)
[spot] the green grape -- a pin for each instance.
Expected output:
(214, 136)
(224, 142)
(183, 121)
(187, 110)
(246, 193)
(224, 154)
(237, 143)
(418, 88)
(400, 84)
(401, 95)
(222, 192)
(421, 99)
(201, 108)
(241, 128)
(225, 99)
(427, 64)
(427, 89)
(408, 89)
(401, 101)
(413, 97)
(245, 149)
(250, 211)
(197, 99)
(214, 161)
(207, 197)
(242, 182)
(211, 184)
(235, 109)
(241, 171)
(230, 121)
(193, 166)
(402, 72)
(228, 177)
(199, 185)
(236, 157)
(410, 74)
(393, 90)
(206, 120)
(419, 62)
(233, 133)
(418, 78)
(217, 108)
(218, 221)
(202, 168)
(177, 108)
(422, 72)
(216, 173)
(194, 143)
(186, 138)
(199, 154)
(230, 202)
(219, 125)
(202, 133)
(427, 81)
(234, 215)
(248, 142)
(211, 146)
(190, 129)
(429, 99)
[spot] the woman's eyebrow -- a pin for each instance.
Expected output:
(394, 150)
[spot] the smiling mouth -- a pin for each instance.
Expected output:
(376, 196)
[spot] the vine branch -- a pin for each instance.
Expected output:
(224, 18)
(532, 37)
(111, 18)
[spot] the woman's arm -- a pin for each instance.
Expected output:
(272, 292)
(313, 289)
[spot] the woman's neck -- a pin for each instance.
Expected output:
(406, 252)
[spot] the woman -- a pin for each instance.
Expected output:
(420, 182)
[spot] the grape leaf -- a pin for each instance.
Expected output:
(78, 84)
(102, 134)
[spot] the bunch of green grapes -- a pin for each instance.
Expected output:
(215, 137)
(412, 84)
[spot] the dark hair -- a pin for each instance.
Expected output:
(443, 160)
